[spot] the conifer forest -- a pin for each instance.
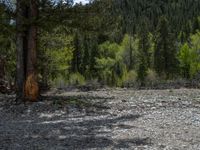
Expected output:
(99, 74)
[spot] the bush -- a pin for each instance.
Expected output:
(131, 79)
(151, 77)
(76, 79)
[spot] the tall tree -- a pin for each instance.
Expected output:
(28, 20)
(165, 61)
(75, 64)
(7, 56)
(185, 60)
(20, 42)
(31, 83)
(144, 54)
(26, 43)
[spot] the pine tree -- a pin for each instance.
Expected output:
(26, 43)
(196, 24)
(77, 53)
(185, 60)
(144, 55)
(165, 61)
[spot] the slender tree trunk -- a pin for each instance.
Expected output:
(2, 68)
(20, 51)
(131, 55)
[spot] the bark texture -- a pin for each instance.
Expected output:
(20, 51)
(31, 85)
(27, 84)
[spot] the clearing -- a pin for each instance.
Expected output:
(103, 119)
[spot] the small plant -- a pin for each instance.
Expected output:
(131, 78)
(76, 79)
(151, 77)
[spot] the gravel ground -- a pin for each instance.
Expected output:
(103, 119)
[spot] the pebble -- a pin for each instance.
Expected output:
(143, 120)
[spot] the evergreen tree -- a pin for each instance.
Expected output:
(185, 60)
(144, 54)
(77, 53)
(26, 37)
(196, 24)
(165, 61)
(7, 45)
(28, 20)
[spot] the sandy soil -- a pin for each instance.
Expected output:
(103, 119)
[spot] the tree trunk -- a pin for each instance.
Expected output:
(31, 84)
(20, 52)
(131, 55)
(2, 67)
(27, 85)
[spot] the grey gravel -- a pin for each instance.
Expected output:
(103, 119)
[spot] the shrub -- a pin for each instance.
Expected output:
(76, 79)
(131, 79)
(151, 77)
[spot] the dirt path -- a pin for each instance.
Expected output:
(103, 119)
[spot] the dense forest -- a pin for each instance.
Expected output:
(120, 43)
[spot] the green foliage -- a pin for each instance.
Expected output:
(76, 79)
(176, 11)
(165, 61)
(84, 54)
(131, 78)
(185, 60)
(7, 50)
(118, 42)
(151, 77)
(54, 55)
(196, 24)
(142, 72)
(77, 53)
(110, 66)
(189, 57)
(144, 54)
(195, 54)
(129, 50)
(7, 44)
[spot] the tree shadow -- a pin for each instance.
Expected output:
(88, 134)
(73, 132)
(80, 97)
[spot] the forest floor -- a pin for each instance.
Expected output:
(103, 119)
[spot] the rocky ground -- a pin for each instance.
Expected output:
(103, 119)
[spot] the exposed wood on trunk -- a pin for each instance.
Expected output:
(31, 85)
(26, 42)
